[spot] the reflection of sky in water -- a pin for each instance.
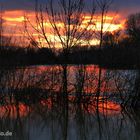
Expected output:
(53, 124)
(45, 118)
(83, 126)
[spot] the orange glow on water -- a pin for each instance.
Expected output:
(13, 111)
(108, 108)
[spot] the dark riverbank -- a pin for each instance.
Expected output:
(117, 57)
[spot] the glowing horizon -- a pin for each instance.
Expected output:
(13, 20)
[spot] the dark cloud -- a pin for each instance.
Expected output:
(17, 4)
(125, 7)
(127, 3)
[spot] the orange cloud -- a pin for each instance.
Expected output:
(14, 20)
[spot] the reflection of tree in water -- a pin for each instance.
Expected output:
(130, 94)
(135, 101)
(30, 102)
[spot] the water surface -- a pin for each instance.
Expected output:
(34, 105)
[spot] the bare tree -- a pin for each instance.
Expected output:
(103, 6)
(65, 19)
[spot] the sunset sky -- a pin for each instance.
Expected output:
(15, 9)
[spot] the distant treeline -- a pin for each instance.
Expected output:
(119, 57)
(16, 56)
(113, 57)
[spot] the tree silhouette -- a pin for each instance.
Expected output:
(65, 18)
(103, 8)
(133, 27)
